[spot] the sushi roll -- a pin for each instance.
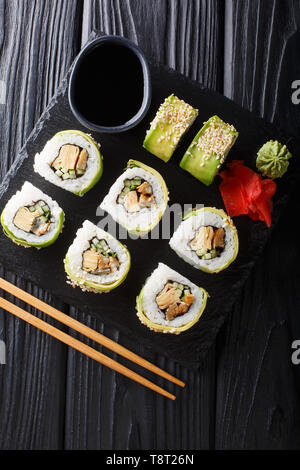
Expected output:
(207, 239)
(138, 198)
(209, 149)
(170, 303)
(31, 218)
(70, 160)
(96, 261)
(172, 121)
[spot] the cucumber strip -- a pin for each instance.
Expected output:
(104, 244)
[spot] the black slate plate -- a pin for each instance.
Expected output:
(45, 267)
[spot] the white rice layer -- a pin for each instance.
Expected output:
(50, 152)
(82, 243)
(146, 218)
(28, 195)
(186, 232)
(155, 284)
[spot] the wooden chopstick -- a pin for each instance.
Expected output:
(79, 346)
(85, 330)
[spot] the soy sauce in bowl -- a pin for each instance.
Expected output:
(109, 89)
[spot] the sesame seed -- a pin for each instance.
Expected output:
(175, 113)
(216, 139)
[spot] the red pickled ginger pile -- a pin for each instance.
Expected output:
(245, 192)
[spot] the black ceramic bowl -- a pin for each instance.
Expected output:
(97, 79)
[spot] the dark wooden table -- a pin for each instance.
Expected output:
(246, 393)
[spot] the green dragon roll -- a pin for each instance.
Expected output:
(138, 198)
(209, 149)
(169, 302)
(172, 121)
(96, 261)
(70, 160)
(31, 218)
(207, 239)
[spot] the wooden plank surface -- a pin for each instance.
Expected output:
(185, 35)
(52, 397)
(104, 410)
(38, 41)
(257, 399)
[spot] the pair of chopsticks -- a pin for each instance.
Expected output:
(86, 331)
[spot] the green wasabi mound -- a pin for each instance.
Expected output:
(272, 159)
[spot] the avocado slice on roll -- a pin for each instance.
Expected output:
(207, 239)
(169, 302)
(31, 218)
(71, 160)
(138, 198)
(96, 261)
(173, 118)
(208, 150)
